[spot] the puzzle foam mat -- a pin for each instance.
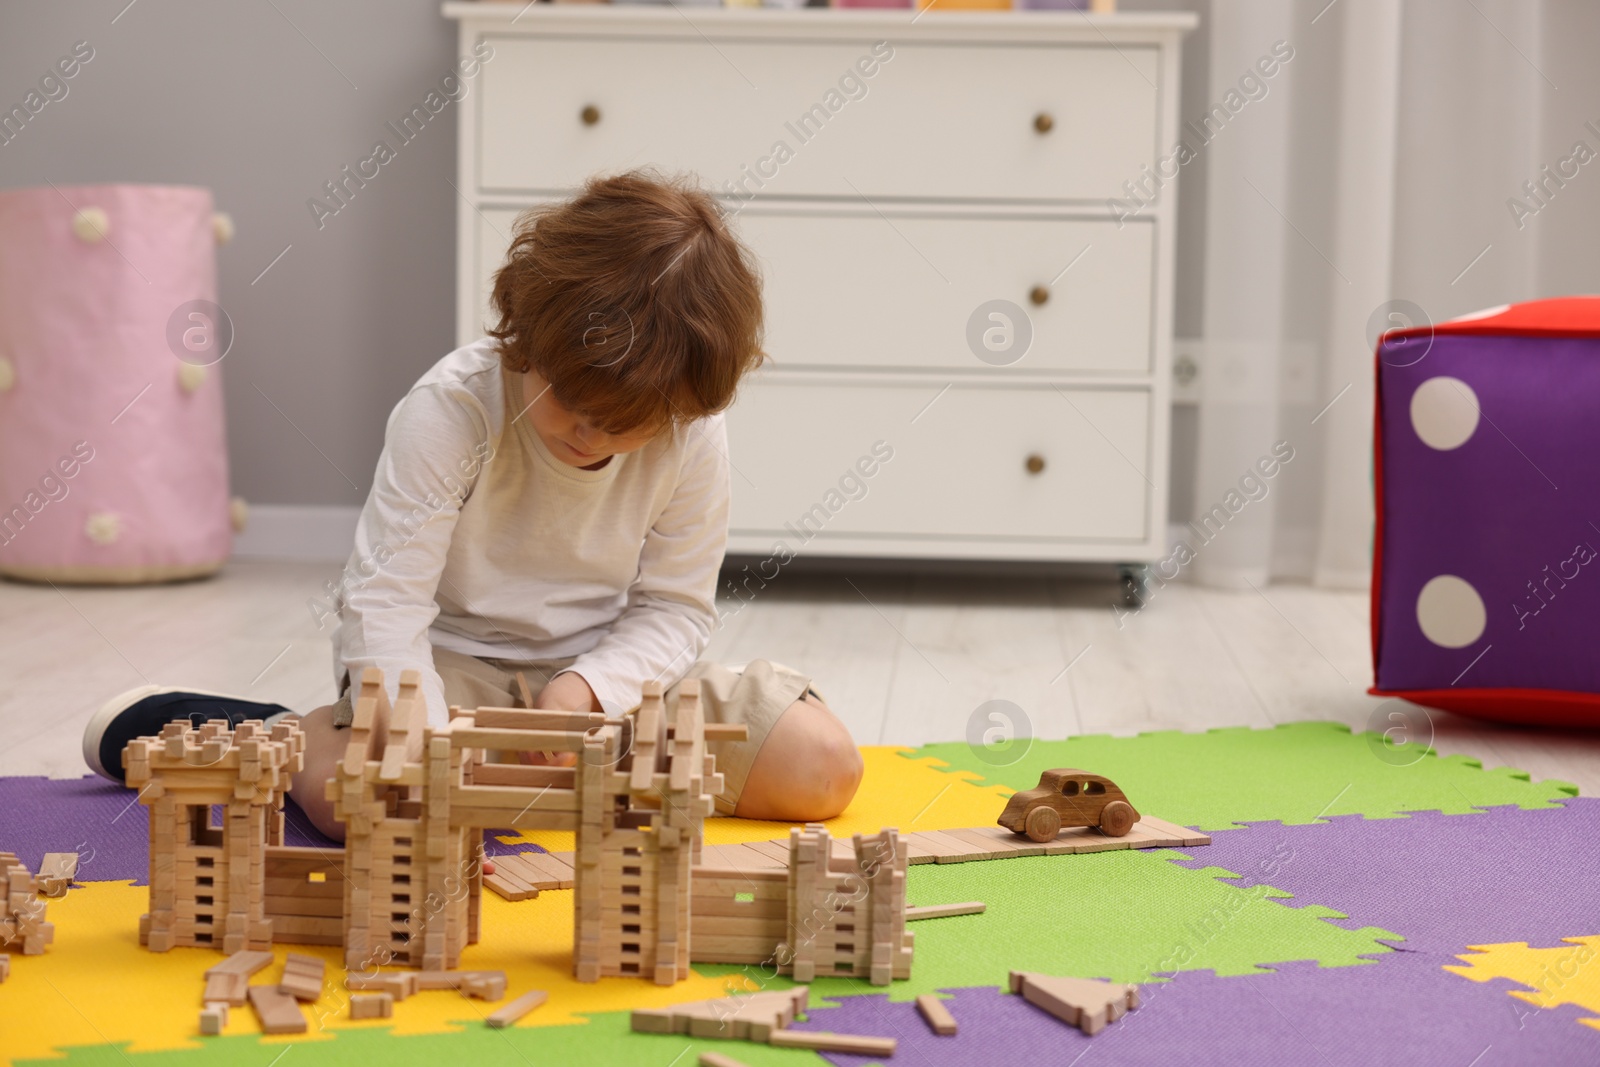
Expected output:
(1350, 910)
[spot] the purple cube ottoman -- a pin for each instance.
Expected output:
(1486, 562)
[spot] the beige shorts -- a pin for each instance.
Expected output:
(755, 694)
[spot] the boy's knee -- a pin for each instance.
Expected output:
(808, 769)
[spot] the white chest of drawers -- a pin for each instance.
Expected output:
(893, 175)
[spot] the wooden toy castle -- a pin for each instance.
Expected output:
(407, 886)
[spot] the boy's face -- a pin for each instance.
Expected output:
(569, 437)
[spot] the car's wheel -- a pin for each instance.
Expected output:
(1043, 823)
(1116, 818)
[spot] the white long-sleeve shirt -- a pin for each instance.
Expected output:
(475, 538)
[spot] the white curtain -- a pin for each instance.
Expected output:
(1373, 176)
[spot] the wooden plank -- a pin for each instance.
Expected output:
(1001, 843)
(525, 798)
(278, 1011)
(942, 911)
(534, 719)
(851, 1044)
(510, 1013)
(519, 774)
(1186, 837)
(938, 1017)
(515, 740)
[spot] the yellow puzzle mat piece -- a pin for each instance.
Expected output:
(1566, 974)
(95, 985)
(895, 791)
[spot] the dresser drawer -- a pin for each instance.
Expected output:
(899, 290)
(853, 290)
(934, 121)
(959, 467)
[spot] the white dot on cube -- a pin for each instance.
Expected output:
(90, 224)
(1444, 412)
(1450, 612)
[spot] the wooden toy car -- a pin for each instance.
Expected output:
(1068, 797)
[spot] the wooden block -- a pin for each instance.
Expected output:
(510, 1013)
(505, 883)
(941, 911)
(1185, 836)
(535, 719)
(56, 873)
(938, 1017)
(302, 976)
(1002, 843)
(278, 1011)
(727, 731)
(948, 848)
(226, 988)
(851, 1044)
(213, 1017)
(717, 1059)
(1087, 1003)
(244, 963)
(372, 1006)
(5, 966)
(398, 984)
(484, 985)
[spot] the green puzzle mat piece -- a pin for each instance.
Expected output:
(1292, 773)
(1125, 915)
(606, 1040)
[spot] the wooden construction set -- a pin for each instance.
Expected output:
(651, 896)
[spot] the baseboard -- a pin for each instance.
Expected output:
(306, 534)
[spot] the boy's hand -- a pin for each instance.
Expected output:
(566, 692)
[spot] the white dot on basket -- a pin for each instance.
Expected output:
(90, 224)
(1450, 612)
(1444, 412)
(103, 527)
(191, 377)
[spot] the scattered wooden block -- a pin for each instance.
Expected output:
(509, 1014)
(941, 911)
(851, 1044)
(302, 976)
(398, 984)
(229, 981)
(717, 1059)
(938, 1017)
(5, 966)
(1087, 1003)
(278, 1011)
(485, 985)
(57, 872)
(213, 1017)
(503, 879)
(372, 1006)
(752, 1017)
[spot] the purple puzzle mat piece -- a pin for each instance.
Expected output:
(1401, 1010)
(110, 830)
(1489, 513)
(1441, 881)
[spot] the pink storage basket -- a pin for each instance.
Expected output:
(113, 463)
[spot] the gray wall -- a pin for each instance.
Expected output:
(230, 95)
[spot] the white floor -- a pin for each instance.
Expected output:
(903, 660)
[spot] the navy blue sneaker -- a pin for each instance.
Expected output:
(142, 712)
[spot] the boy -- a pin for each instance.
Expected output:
(552, 500)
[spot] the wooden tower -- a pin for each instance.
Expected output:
(215, 796)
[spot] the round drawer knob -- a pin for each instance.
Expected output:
(1035, 464)
(590, 114)
(1039, 294)
(1044, 122)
